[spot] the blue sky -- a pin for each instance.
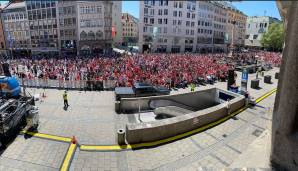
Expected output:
(250, 8)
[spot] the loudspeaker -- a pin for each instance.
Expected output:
(5, 67)
(231, 78)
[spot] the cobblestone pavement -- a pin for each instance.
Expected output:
(91, 118)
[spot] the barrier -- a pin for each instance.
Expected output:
(69, 84)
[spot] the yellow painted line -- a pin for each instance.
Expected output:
(163, 141)
(68, 157)
(47, 136)
(266, 95)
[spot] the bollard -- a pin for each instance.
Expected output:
(276, 75)
(117, 107)
(121, 137)
(267, 79)
(254, 84)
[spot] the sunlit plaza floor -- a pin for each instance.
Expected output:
(92, 119)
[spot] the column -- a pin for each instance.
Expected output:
(284, 151)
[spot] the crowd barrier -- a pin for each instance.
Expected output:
(68, 84)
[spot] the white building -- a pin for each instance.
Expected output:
(116, 23)
(256, 26)
(182, 26)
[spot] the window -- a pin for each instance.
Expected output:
(175, 13)
(193, 16)
(160, 12)
(54, 12)
(165, 11)
(180, 4)
(48, 13)
(187, 23)
(146, 11)
(145, 29)
(159, 21)
(188, 15)
(255, 36)
(165, 30)
(265, 25)
(165, 21)
(151, 11)
(180, 14)
(151, 20)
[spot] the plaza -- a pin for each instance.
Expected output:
(92, 119)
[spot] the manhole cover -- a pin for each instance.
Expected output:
(257, 132)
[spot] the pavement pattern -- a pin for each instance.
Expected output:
(91, 118)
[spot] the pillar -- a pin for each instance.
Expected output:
(284, 151)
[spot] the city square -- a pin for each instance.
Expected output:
(148, 85)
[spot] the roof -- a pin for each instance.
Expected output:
(17, 5)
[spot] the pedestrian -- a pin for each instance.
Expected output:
(65, 99)
(192, 87)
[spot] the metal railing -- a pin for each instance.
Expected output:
(68, 84)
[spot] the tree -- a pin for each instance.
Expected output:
(273, 39)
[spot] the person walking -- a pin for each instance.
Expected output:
(65, 99)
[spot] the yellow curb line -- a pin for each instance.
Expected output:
(47, 136)
(155, 143)
(68, 157)
(266, 95)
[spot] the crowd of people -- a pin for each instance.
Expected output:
(171, 70)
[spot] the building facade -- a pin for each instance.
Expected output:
(3, 50)
(43, 25)
(52, 28)
(116, 23)
(94, 27)
(68, 27)
(182, 26)
(16, 29)
(256, 26)
(130, 29)
(236, 27)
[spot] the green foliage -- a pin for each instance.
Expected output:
(274, 38)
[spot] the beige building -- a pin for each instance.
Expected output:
(130, 30)
(236, 27)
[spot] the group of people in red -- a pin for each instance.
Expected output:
(157, 69)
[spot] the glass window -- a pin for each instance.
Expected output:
(28, 5)
(44, 13)
(53, 3)
(37, 4)
(39, 14)
(54, 12)
(42, 4)
(32, 4)
(48, 4)
(48, 13)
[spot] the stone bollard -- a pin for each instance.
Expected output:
(254, 84)
(276, 75)
(117, 107)
(267, 79)
(121, 137)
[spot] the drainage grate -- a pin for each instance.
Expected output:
(257, 132)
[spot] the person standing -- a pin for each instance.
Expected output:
(65, 99)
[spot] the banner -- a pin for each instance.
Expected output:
(244, 79)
